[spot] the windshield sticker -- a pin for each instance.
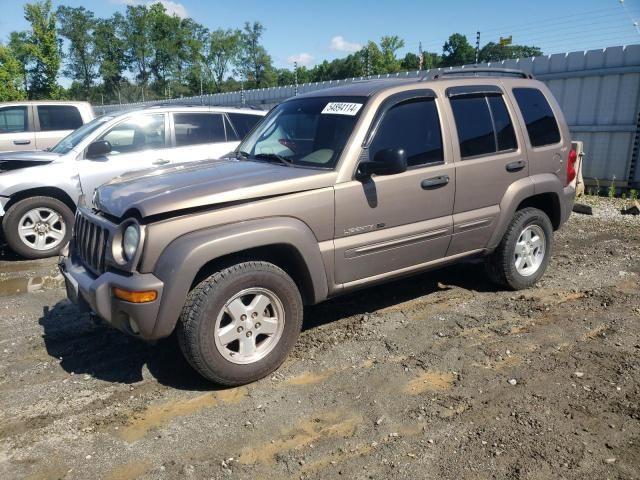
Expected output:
(342, 108)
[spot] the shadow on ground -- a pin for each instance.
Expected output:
(85, 346)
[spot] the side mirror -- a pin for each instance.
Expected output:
(386, 162)
(98, 149)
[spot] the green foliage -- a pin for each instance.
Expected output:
(493, 52)
(633, 194)
(10, 76)
(223, 50)
(457, 51)
(611, 191)
(42, 51)
(254, 65)
(111, 53)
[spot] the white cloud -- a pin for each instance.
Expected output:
(302, 59)
(341, 45)
(172, 8)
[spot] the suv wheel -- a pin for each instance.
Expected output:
(38, 227)
(238, 325)
(523, 254)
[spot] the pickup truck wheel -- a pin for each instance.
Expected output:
(524, 252)
(37, 227)
(238, 325)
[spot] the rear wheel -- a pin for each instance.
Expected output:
(38, 227)
(524, 252)
(238, 325)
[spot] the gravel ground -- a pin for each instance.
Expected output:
(437, 376)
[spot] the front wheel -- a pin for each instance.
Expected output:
(238, 325)
(524, 252)
(37, 227)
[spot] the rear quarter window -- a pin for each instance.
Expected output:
(243, 123)
(542, 125)
(58, 117)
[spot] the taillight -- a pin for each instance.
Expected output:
(571, 166)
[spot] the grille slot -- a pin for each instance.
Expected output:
(91, 241)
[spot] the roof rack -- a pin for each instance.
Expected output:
(476, 72)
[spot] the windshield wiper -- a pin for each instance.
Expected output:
(273, 156)
(241, 154)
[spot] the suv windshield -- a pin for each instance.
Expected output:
(307, 132)
(69, 142)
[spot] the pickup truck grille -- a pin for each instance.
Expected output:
(91, 243)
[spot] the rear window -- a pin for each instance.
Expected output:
(542, 126)
(243, 123)
(198, 128)
(483, 124)
(13, 120)
(58, 117)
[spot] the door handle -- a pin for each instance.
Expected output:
(435, 182)
(516, 166)
(21, 142)
(161, 161)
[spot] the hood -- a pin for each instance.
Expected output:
(200, 184)
(25, 159)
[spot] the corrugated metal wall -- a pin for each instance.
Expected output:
(598, 90)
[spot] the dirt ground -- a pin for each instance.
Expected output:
(437, 376)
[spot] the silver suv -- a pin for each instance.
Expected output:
(39, 191)
(333, 191)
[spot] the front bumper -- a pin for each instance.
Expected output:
(95, 294)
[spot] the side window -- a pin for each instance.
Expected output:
(58, 117)
(198, 128)
(483, 125)
(413, 126)
(14, 120)
(243, 123)
(538, 116)
(143, 132)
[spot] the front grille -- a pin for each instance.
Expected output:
(91, 243)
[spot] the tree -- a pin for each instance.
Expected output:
(255, 63)
(77, 25)
(457, 51)
(18, 44)
(494, 52)
(111, 53)
(43, 51)
(223, 50)
(137, 35)
(389, 45)
(11, 76)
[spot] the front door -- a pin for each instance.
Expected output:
(390, 223)
(137, 143)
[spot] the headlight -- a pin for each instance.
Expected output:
(130, 241)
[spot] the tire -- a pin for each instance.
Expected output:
(38, 212)
(212, 317)
(502, 265)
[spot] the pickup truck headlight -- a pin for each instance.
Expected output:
(130, 241)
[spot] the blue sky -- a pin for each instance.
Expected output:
(313, 31)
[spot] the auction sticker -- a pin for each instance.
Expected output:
(342, 108)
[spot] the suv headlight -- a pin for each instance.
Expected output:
(130, 241)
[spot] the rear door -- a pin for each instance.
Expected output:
(54, 122)
(16, 128)
(137, 143)
(490, 157)
(394, 222)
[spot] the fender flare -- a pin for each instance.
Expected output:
(517, 192)
(181, 260)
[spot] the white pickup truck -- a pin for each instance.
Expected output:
(39, 125)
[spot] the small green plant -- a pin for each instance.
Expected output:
(633, 194)
(611, 191)
(597, 187)
(624, 196)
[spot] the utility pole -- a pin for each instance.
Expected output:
(295, 76)
(477, 47)
(143, 94)
(242, 99)
(420, 56)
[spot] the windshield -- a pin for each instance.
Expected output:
(308, 132)
(69, 142)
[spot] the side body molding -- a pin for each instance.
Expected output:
(185, 256)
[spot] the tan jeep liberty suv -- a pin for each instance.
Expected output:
(332, 191)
